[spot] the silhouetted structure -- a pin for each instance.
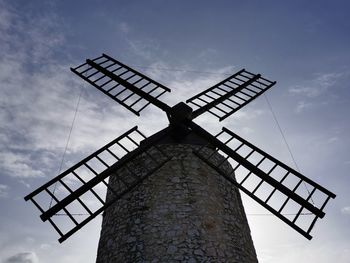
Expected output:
(190, 207)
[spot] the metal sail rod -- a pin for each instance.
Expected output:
(255, 170)
(300, 230)
(136, 72)
(205, 91)
(132, 88)
(98, 211)
(248, 101)
(52, 181)
(94, 181)
(106, 92)
(223, 97)
(309, 181)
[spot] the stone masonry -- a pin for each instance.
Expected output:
(185, 212)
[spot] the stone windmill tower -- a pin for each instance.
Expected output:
(173, 197)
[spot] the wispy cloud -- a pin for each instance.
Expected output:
(317, 86)
(146, 48)
(124, 27)
(333, 139)
(38, 101)
(45, 246)
(18, 165)
(23, 257)
(207, 53)
(302, 106)
(346, 210)
(3, 190)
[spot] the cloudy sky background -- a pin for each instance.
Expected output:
(188, 46)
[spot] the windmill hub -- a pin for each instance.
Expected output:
(179, 113)
(177, 117)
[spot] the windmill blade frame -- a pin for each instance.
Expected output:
(149, 156)
(287, 195)
(128, 87)
(273, 184)
(229, 95)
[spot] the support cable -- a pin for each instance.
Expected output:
(284, 214)
(248, 214)
(67, 142)
(286, 143)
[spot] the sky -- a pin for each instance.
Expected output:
(187, 46)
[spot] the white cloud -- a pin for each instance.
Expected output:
(45, 246)
(317, 86)
(145, 48)
(3, 190)
(248, 114)
(207, 53)
(23, 257)
(346, 210)
(247, 130)
(38, 101)
(124, 27)
(302, 105)
(18, 165)
(333, 139)
(319, 91)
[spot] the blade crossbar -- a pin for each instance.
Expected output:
(231, 94)
(79, 200)
(130, 87)
(110, 202)
(131, 94)
(148, 103)
(122, 83)
(136, 72)
(291, 170)
(252, 168)
(255, 198)
(274, 190)
(255, 174)
(92, 190)
(64, 209)
(139, 99)
(107, 91)
(91, 183)
(50, 221)
(85, 160)
(205, 91)
(101, 165)
(301, 208)
(202, 100)
(220, 99)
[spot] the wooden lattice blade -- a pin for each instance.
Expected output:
(123, 84)
(75, 197)
(231, 94)
(292, 197)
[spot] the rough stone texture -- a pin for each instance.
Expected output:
(185, 212)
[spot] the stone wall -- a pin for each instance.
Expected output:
(185, 212)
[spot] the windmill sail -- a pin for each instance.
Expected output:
(125, 85)
(231, 94)
(78, 194)
(294, 198)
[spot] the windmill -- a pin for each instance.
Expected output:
(132, 158)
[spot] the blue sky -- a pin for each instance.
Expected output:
(188, 46)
